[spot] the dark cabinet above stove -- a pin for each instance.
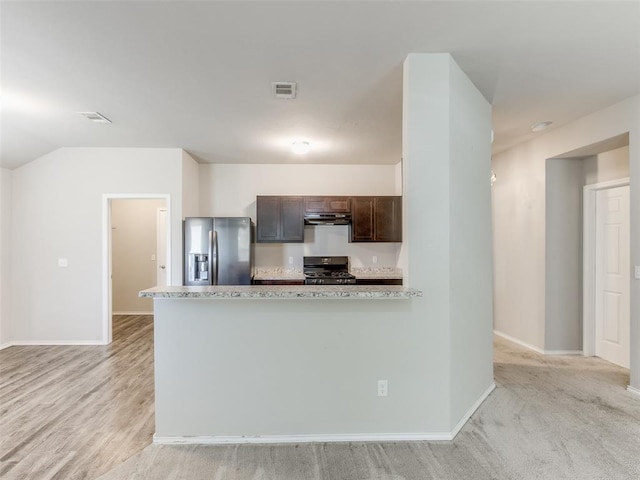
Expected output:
(327, 204)
(281, 219)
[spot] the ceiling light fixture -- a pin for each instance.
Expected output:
(538, 127)
(95, 117)
(300, 147)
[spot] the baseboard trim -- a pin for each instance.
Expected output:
(132, 313)
(518, 342)
(563, 352)
(472, 410)
(319, 438)
(534, 348)
(5, 345)
(633, 390)
(326, 438)
(48, 343)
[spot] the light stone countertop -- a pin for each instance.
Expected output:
(284, 292)
(377, 272)
(278, 273)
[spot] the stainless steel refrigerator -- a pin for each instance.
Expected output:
(217, 251)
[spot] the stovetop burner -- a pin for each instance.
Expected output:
(328, 274)
(327, 271)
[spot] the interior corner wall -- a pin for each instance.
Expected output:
(563, 261)
(519, 221)
(58, 213)
(398, 178)
(190, 186)
(5, 256)
(446, 151)
(518, 205)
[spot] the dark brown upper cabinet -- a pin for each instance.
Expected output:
(279, 219)
(327, 204)
(376, 219)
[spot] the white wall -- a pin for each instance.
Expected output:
(447, 222)
(519, 221)
(5, 255)
(190, 186)
(606, 166)
(58, 213)
(563, 244)
(231, 190)
(565, 179)
(471, 346)
(133, 247)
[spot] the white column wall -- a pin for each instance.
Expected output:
(57, 213)
(5, 256)
(446, 152)
(471, 254)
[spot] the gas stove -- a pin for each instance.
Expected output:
(327, 271)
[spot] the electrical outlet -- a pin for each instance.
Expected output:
(63, 262)
(636, 272)
(153, 257)
(290, 260)
(383, 388)
(375, 259)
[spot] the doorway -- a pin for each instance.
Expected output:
(606, 271)
(129, 261)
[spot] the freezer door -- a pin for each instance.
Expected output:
(233, 250)
(198, 255)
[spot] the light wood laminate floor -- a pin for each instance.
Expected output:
(75, 412)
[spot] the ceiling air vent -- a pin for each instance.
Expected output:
(283, 89)
(95, 117)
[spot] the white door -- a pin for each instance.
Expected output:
(612, 316)
(161, 248)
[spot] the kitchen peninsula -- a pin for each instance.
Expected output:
(236, 363)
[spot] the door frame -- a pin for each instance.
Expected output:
(589, 262)
(158, 232)
(107, 291)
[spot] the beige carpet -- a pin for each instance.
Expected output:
(549, 418)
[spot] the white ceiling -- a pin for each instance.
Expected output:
(197, 75)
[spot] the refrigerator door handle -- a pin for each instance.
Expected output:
(214, 256)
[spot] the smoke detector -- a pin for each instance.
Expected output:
(95, 117)
(285, 90)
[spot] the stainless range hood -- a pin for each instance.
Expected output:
(327, 219)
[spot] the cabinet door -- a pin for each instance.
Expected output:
(292, 219)
(268, 219)
(388, 219)
(327, 204)
(338, 204)
(362, 223)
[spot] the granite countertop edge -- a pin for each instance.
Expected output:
(283, 292)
